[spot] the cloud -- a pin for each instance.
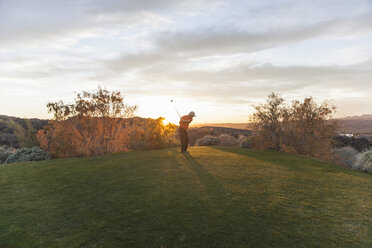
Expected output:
(229, 39)
(45, 21)
(332, 75)
(245, 83)
(175, 52)
(173, 47)
(226, 53)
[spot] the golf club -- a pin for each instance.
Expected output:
(175, 108)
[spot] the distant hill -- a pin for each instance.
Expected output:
(11, 127)
(356, 124)
(352, 124)
(196, 133)
(358, 117)
(228, 125)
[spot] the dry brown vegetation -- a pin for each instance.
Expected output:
(301, 127)
(98, 123)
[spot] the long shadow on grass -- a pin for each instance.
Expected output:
(237, 214)
(290, 161)
(212, 185)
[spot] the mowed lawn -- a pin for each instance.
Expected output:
(212, 197)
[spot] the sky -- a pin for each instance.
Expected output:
(217, 58)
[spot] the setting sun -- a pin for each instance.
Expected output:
(165, 122)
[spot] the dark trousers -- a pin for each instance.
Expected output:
(184, 139)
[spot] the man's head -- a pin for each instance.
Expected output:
(192, 113)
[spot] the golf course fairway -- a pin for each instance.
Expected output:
(211, 197)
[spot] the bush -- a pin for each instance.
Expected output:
(287, 148)
(83, 136)
(222, 140)
(246, 142)
(349, 157)
(28, 154)
(302, 127)
(364, 161)
(346, 156)
(5, 152)
(227, 140)
(98, 123)
(208, 141)
(152, 134)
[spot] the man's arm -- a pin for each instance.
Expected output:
(186, 119)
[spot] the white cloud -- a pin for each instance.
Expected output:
(221, 54)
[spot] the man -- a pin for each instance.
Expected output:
(184, 125)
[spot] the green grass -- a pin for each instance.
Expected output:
(213, 197)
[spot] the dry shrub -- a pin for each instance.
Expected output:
(227, 140)
(349, 157)
(208, 141)
(77, 137)
(267, 122)
(98, 123)
(287, 149)
(222, 140)
(153, 134)
(27, 154)
(364, 161)
(5, 152)
(345, 156)
(246, 142)
(302, 127)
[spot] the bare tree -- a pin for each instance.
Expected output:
(307, 127)
(302, 127)
(267, 121)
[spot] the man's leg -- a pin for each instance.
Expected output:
(186, 140)
(182, 138)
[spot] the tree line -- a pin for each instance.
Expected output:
(100, 122)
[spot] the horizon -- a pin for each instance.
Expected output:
(198, 124)
(217, 58)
